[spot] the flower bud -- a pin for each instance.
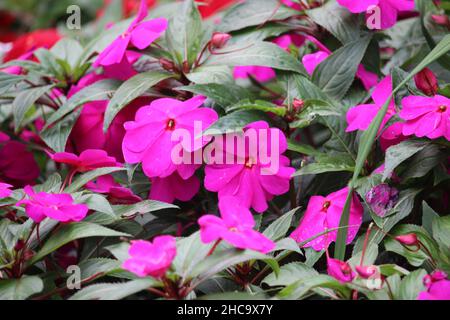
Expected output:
(366, 272)
(408, 239)
(441, 19)
(298, 104)
(219, 39)
(426, 82)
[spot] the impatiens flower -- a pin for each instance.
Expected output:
(389, 9)
(173, 188)
(117, 194)
(287, 40)
(88, 160)
(392, 136)
(148, 139)
(382, 198)
(262, 74)
(31, 41)
(367, 272)
(292, 4)
(248, 177)
(3, 137)
(57, 206)
(312, 60)
(140, 33)
(17, 165)
(209, 8)
(438, 287)
(340, 270)
(324, 213)
(361, 116)
(235, 227)
(4, 190)
(426, 116)
(426, 82)
(151, 258)
(88, 130)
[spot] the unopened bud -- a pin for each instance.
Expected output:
(366, 272)
(408, 239)
(298, 104)
(19, 245)
(186, 67)
(441, 19)
(426, 82)
(219, 39)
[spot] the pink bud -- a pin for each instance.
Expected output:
(366, 272)
(442, 20)
(298, 104)
(408, 239)
(219, 39)
(426, 82)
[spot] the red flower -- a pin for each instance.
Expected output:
(209, 8)
(129, 7)
(44, 38)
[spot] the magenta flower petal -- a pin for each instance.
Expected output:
(114, 53)
(4, 190)
(358, 6)
(311, 61)
(147, 32)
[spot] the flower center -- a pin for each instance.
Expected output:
(326, 205)
(170, 124)
(233, 229)
(346, 269)
(442, 108)
(124, 35)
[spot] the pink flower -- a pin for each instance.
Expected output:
(174, 187)
(116, 193)
(17, 164)
(148, 139)
(140, 33)
(382, 198)
(340, 270)
(88, 160)
(122, 70)
(389, 8)
(151, 258)
(426, 116)
(235, 226)
(324, 213)
(250, 179)
(438, 287)
(287, 40)
(3, 137)
(311, 61)
(4, 190)
(55, 206)
(262, 74)
(292, 4)
(392, 135)
(88, 130)
(360, 117)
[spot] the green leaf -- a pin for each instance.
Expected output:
(130, 90)
(369, 136)
(336, 74)
(396, 154)
(428, 216)
(223, 94)
(278, 229)
(114, 291)
(211, 74)
(254, 12)
(90, 175)
(24, 101)
(259, 53)
(8, 80)
(191, 251)
(68, 50)
(235, 121)
(223, 259)
(184, 33)
(56, 136)
(73, 231)
(302, 148)
(100, 90)
(20, 289)
(319, 284)
(340, 22)
(327, 164)
(98, 266)
(411, 285)
(142, 207)
(289, 274)
(261, 105)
